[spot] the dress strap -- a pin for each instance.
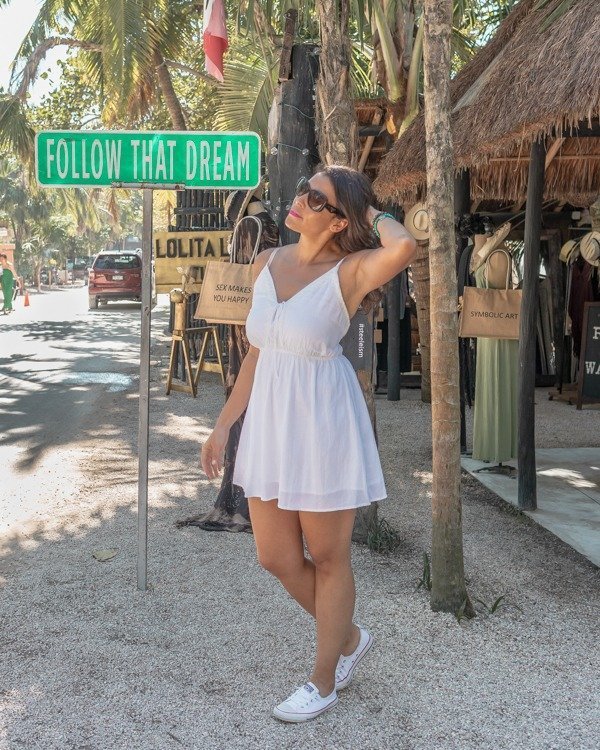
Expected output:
(273, 254)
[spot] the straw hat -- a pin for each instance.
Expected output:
(237, 202)
(569, 251)
(492, 242)
(589, 246)
(416, 221)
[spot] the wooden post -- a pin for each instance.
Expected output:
(393, 342)
(527, 496)
(364, 157)
(462, 205)
(293, 153)
(285, 61)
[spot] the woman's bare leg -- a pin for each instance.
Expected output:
(328, 537)
(280, 549)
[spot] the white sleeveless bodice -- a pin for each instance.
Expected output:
(310, 323)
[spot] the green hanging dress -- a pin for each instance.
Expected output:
(495, 418)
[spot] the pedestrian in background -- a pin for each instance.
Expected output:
(7, 282)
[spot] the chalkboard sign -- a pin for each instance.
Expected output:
(589, 364)
(357, 344)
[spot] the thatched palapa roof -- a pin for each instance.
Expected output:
(525, 82)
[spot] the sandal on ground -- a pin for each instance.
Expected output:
(304, 704)
(347, 664)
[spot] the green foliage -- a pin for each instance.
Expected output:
(61, 223)
(112, 80)
(16, 134)
(73, 105)
(491, 609)
(362, 72)
(199, 98)
(382, 537)
(479, 19)
(500, 601)
(246, 96)
(128, 34)
(464, 611)
(475, 22)
(426, 575)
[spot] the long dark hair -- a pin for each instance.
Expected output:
(354, 195)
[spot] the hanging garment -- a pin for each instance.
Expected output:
(581, 291)
(307, 438)
(466, 349)
(496, 394)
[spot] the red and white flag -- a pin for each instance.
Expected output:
(215, 37)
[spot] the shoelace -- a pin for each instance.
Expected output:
(344, 665)
(301, 698)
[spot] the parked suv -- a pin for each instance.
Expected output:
(116, 276)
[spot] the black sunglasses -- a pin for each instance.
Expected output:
(316, 200)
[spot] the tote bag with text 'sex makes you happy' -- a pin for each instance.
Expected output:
(226, 293)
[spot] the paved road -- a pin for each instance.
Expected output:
(59, 363)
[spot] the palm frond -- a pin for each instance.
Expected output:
(360, 71)
(246, 94)
(16, 134)
(462, 45)
(127, 40)
(45, 23)
(388, 52)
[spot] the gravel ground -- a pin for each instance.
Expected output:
(90, 663)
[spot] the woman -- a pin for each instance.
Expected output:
(307, 456)
(7, 280)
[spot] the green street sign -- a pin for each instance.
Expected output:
(102, 158)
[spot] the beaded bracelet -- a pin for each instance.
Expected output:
(382, 215)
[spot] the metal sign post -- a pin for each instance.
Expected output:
(147, 161)
(144, 391)
(144, 403)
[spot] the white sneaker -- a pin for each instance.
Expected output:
(304, 704)
(347, 664)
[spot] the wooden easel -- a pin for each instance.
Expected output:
(208, 366)
(180, 343)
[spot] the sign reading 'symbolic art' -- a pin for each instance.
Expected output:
(101, 158)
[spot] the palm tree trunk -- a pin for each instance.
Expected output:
(448, 591)
(337, 125)
(166, 86)
(420, 274)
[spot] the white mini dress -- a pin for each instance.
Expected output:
(306, 439)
